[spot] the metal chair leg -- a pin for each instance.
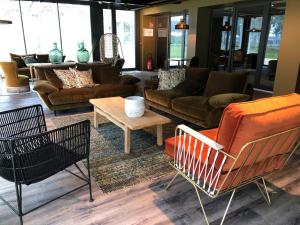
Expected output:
(203, 210)
(89, 178)
(264, 191)
(171, 182)
(19, 201)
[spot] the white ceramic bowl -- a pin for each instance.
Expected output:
(134, 106)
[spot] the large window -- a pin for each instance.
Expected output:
(40, 26)
(107, 21)
(125, 21)
(274, 38)
(254, 34)
(11, 37)
(75, 28)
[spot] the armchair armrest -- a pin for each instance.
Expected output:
(223, 100)
(44, 87)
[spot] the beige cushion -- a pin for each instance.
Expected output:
(67, 77)
(170, 79)
(83, 78)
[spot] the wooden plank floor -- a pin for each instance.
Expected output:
(148, 202)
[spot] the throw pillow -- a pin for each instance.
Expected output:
(83, 78)
(128, 79)
(29, 59)
(190, 87)
(18, 59)
(170, 79)
(67, 77)
(53, 78)
(42, 58)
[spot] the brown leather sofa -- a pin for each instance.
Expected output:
(52, 93)
(216, 90)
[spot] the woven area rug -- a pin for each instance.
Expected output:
(111, 168)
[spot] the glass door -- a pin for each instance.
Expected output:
(177, 41)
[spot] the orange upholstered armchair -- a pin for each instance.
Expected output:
(13, 81)
(253, 139)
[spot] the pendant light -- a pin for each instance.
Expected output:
(182, 25)
(5, 22)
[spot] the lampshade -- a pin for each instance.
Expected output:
(182, 25)
(5, 22)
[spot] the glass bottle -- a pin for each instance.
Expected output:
(83, 55)
(55, 55)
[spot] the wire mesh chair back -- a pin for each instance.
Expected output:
(22, 122)
(110, 48)
(202, 160)
(28, 153)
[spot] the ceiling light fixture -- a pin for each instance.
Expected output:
(182, 25)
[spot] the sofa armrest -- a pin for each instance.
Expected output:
(44, 87)
(223, 100)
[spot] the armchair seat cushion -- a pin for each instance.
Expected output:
(193, 106)
(71, 95)
(162, 97)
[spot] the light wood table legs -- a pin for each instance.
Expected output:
(159, 135)
(127, 140)
(95, 118)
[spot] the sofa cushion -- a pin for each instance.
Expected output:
(67, 77)
(52, 78)
(223, 82)
(102, 73)
(190, 87)
(193, 106)
(110, 90)
(223, 100)
(170, 79)
(162, 97)
(19, 60)
(42, 58)
(248, 121)
(45, 87)
(128, 79)
(29, 59)
(200, 74)
(71, 95)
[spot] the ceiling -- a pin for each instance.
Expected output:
(119, 4)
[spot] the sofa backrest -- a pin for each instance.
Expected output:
(245, 122)
(196, 73)
(223, 82)
(40, 70)
(102, 73)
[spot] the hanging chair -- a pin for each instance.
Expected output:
(111, 49)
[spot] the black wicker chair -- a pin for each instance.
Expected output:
(29, 153)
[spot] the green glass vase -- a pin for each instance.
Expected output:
(55, 55)
(83, 55)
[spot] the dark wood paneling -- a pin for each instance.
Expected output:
(96, 14)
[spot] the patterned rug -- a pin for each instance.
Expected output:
(111, 168)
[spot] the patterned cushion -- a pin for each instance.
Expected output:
(83, 78)
(170, 79)
(67, 77)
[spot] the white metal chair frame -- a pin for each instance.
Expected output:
(202, 176)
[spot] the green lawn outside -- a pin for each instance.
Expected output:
(175, 51)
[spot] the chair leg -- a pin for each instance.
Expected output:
(203, 210)
(19, 201)
(89, 178)
(264, 191)
(171, 182)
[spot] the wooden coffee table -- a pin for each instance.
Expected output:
(113, 109)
